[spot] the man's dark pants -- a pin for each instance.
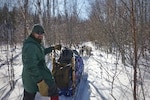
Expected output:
(28, 96)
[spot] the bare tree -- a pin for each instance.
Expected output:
(24, 12)
(133, 30)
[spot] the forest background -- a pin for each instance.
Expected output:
(113, 25)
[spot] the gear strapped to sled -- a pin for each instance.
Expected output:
(64, 72)
(67, 71)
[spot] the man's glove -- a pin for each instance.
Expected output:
(43, 88)
(57, 47)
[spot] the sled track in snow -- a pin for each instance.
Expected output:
(101, 67)
(81, 87)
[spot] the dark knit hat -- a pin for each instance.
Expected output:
(38, 29)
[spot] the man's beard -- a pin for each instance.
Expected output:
(36, 39)
(39, 40)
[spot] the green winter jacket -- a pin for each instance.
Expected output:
(34, 66)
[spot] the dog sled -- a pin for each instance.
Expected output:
(67, 71)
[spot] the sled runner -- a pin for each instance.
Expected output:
(67, 71)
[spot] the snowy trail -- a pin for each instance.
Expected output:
(83, 90)
(104, 78)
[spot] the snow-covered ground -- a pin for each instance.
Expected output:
(104, 78)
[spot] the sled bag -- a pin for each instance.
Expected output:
(62, 75)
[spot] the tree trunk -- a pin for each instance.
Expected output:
(133, 30)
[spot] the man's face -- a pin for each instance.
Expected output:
(39, 36)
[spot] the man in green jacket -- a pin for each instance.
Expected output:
(36, 76)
